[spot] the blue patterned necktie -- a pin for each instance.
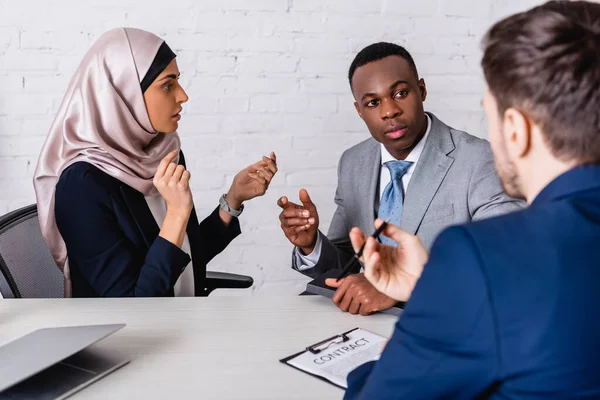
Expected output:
(390, 206)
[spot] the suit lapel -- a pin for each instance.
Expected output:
(193, 233)
(430, 171)
(370, 167)
(142, 216)
(139, 210)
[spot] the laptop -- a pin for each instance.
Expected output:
(55, 363)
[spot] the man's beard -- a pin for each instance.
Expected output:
(507, 171)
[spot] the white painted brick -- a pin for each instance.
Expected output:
(269, 231)
(349, 7)
(213, 84)
(198, 42)
(255, 5)
(281, 43)
(18, 167)
(48, 15)
(300, 22)
(68, 64)
(187, 62)
(340, 141)
(292, 104)
(341, 123)
(265, 103)
(502, 8)
(397, 33)
(353, 25)
(17, 189)
(9, 37)
(263, 84)
(206, 181)
(472, 122)
(44, 83)
(8, 126)
(234, 163)
(266, 63)
(466, 8)
(229, 105)
(323, 104)
(324, 177)
(4, 207)
(441, 65)
(437, 85)
(232, 22)
(321, 44)
(396, 28)
(325, 85)
(304, 125)
(200, 104)
(479, 26)
(205, 146)
(11, 83)
(323, 158)
(410, 7)
(452, 45)
(29, 61)
(458, 102)
(35, 126)
(205, 200)
(21, 201)
(274, 124)
(26, 104)
(199, 124)
(325, 65)
(215, 64)
(261, 145)
(61, 41)
(441, 26)
(20, 146)
(244, 123)
(346, 101)
(154, 19)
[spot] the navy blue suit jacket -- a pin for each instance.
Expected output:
(112, 238)
(506, 308)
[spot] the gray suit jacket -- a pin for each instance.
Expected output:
(454, 182)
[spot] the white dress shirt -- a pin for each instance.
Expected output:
(304, 262)
(184, 287)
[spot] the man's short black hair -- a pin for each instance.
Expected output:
(378, 51)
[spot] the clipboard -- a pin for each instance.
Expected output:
(347, 351)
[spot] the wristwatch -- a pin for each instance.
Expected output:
(225, 206)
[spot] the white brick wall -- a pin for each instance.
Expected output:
(262, 75)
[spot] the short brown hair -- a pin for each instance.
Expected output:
(545, 62)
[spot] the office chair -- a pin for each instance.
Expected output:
(27, 269)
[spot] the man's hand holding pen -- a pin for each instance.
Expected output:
(393, 271)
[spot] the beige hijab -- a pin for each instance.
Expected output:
(103, 120)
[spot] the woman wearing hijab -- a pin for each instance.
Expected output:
(112, 190)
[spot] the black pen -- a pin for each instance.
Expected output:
(358, 255)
